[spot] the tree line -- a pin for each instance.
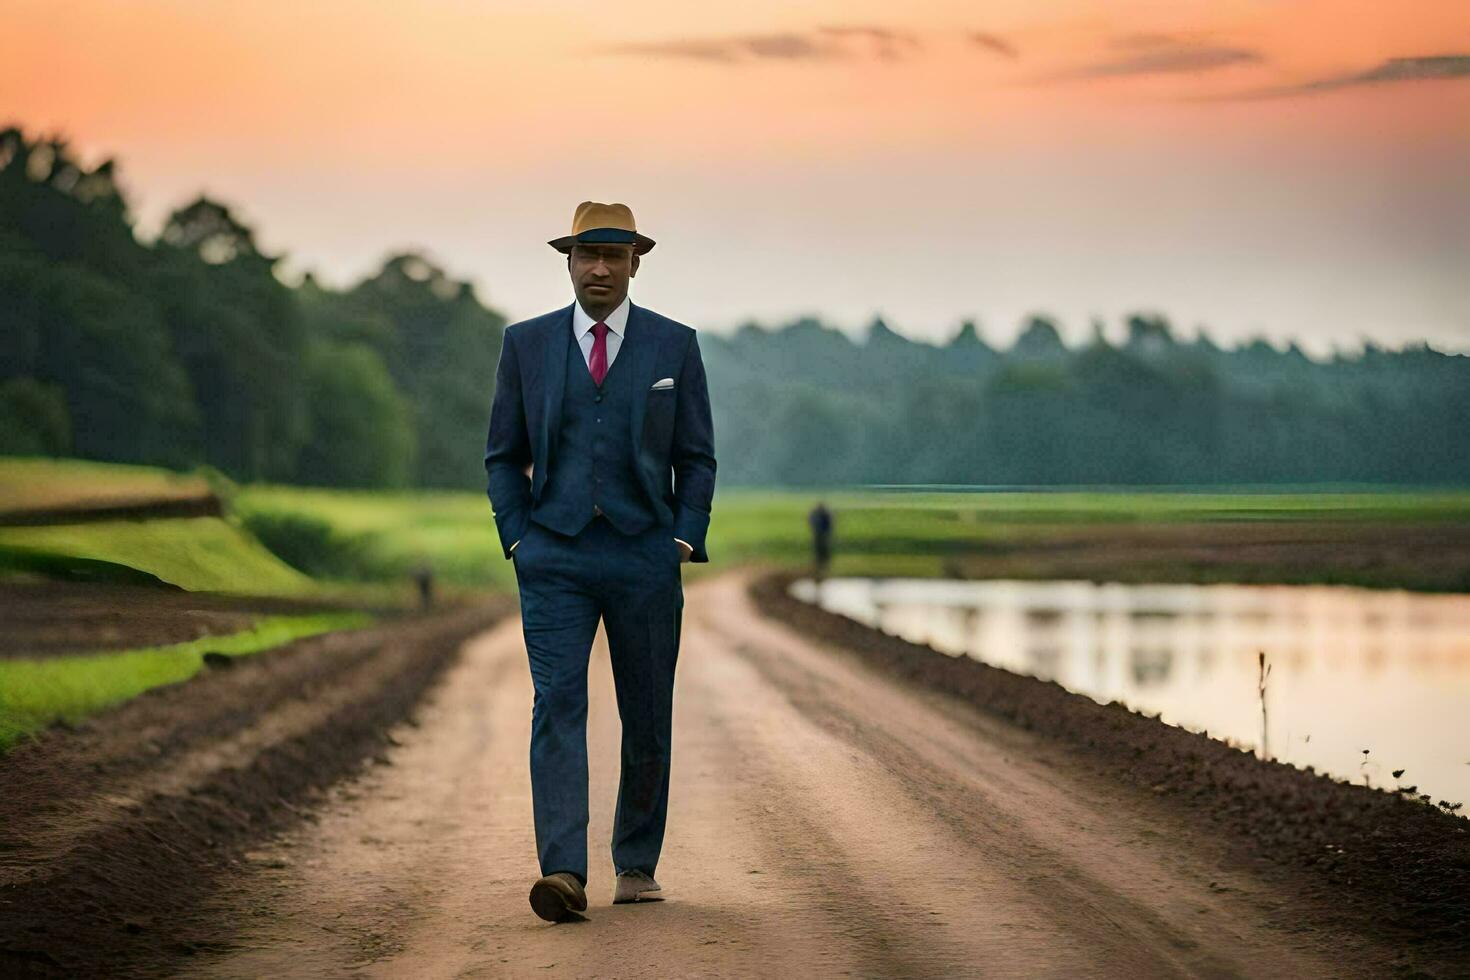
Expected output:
(190, 349)
(1153, 409)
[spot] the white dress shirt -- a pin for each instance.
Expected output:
(617, 322)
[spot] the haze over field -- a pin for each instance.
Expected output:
(1293, 169)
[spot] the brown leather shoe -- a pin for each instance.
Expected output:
(558, 897)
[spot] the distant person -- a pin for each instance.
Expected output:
(607, 402)
(423, 577)
(820, 521)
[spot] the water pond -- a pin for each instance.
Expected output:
(1351, 669)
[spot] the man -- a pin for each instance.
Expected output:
(819, 518)
(604, 401)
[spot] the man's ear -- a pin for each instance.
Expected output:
(634, 271)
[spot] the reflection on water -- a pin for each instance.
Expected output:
(1352, 669)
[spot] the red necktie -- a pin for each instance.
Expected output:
(597, 363)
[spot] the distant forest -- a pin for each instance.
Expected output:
(189, 350)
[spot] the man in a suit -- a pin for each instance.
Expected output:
(603, 401)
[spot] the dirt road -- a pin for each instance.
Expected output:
(823, 822)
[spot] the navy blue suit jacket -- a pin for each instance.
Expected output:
(673, 434)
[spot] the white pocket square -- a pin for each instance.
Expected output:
(662, 383)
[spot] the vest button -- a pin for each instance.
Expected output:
(597, 398)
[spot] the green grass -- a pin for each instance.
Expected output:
(365, 540)
(388, 533)
(910, 531)
(1172, 504)
(39, 691)
(879, 531)
(195, 553)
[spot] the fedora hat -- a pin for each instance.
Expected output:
(596, 223)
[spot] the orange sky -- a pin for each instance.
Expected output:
(1253, 166)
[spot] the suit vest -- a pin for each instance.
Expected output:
(594, 465)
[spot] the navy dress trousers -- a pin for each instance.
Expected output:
(592, 487)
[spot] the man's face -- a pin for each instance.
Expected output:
(600, 275)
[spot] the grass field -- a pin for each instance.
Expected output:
(914, 531)
(195, 553)
(878, 531)
(356, 545)
(358, 540)
(35, 693)
(382, 536)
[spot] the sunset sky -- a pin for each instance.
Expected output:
(1292, 168)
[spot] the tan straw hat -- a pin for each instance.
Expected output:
(597, 223)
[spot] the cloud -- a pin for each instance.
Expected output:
(1428, 68)
(1145, 40)
(1161, 54)
(886, 43)
(788, 47)
(841, 41)
(994, 43)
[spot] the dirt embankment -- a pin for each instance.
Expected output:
(1386, 865)
(1429, 557)
(110, 834)
(55, 618)
(120, 508)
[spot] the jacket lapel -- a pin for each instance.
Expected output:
(554, 376)
(642, 344)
